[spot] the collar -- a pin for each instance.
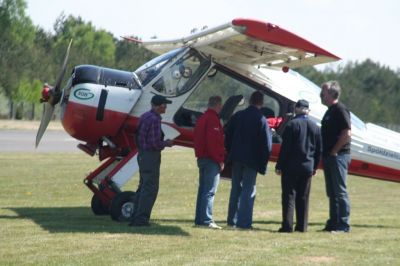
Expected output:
(209, 110)
(301, 116)
(155, 113)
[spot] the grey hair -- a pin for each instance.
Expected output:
(333, 88)
(214, 101)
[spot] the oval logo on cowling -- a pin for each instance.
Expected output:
(83, 94)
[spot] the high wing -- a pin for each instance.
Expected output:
(249, 42)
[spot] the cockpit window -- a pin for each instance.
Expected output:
(180, 76)
(152, 68)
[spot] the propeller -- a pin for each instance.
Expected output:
(50, 97)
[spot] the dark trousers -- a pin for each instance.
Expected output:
(146, 194)
(295, 195)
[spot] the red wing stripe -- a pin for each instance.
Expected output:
(271, 33)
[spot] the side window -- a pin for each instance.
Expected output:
(235, 95)
(178, 78)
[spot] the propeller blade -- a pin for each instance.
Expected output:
(47, 114)
(61, 75)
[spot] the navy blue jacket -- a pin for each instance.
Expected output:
(248, 139)
(301, 147)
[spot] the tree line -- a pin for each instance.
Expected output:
(30, 56)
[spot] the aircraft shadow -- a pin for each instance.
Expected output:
(81, 220)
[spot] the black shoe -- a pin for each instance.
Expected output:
(243, 228)
(328, 229)
(283, 230)
(338, 231)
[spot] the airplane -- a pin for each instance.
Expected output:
(101, 106)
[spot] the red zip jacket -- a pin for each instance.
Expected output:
(209, 137)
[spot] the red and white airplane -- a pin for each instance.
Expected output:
(101, 106)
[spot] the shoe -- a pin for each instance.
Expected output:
(213, 225)
(282, 230)
(327, 229)
(340, 231)
(242, 228)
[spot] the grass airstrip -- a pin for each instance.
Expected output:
(45, 219)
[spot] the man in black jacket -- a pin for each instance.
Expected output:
(297, 163)
(248, 143)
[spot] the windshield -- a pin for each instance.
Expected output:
(151, 69)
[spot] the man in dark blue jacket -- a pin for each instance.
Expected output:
(297, 163)
(248, 143)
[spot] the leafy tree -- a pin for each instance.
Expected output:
(90, 46)
(129, 56)
(16, 34)
(369, 90)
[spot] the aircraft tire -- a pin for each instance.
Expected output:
(122, 206)
(97, 206)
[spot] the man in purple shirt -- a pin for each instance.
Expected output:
(150, 144)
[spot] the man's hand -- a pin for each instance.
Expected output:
(314, 172)
(169, 143)
(221, 167)
(278, 172)
(332, 153)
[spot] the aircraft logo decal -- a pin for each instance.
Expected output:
(83, 94)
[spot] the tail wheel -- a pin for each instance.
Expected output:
(122, 206)
(97, 206)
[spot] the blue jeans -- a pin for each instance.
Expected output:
(335, 170)
(208, 184)
(243, 194)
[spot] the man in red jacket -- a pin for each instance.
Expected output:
(210, 153)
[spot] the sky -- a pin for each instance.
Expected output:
(354, 30)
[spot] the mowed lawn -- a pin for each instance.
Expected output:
(45, 219)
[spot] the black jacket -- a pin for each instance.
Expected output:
(301, 147)
(248, 139)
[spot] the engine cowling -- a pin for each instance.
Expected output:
(97, 101)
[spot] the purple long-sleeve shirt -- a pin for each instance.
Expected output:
(150, 135)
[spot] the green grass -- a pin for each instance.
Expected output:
(45, 219)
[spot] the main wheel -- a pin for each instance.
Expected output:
(97, 206)
(122, 206)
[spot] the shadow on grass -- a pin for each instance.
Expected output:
(82, 220)
(323, 225)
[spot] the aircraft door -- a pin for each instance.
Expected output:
(234, 91)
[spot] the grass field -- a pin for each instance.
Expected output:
(45, 219)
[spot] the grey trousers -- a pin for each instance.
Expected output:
(146, 194)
